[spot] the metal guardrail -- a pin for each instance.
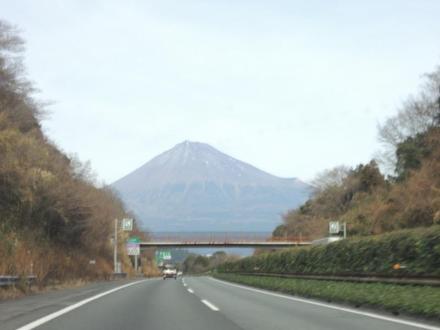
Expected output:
(6, 280)
(117, 276)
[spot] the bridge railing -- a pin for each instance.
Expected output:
(298, 238)
(244, 237)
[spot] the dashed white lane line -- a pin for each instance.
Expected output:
(52, 316)
(213, 307)
(206, 302)
(344, 309)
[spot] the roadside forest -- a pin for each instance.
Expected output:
(55, 222)
(400, 189)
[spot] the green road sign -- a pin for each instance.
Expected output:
(162, 256)
(134, 240)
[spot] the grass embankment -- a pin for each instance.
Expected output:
(415, 300)
(22, 289)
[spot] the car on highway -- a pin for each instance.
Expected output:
(169, 271)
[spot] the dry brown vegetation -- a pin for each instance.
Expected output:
(53, 218)
(363, 197)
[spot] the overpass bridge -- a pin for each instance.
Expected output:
(224, 240)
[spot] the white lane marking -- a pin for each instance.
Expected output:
(344, 309)
(184, 284)
(190, 290)
(54, 315)
(213, 307)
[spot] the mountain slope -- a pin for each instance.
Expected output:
(194, 187)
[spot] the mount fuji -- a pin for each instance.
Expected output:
(195, 187)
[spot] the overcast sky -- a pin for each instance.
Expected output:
(292, 87)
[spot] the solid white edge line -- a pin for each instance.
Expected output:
(207, 303)
(190, 290)
(54, 315)
(344, 309)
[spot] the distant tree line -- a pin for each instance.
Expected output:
(196, 264)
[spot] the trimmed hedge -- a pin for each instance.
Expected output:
(416, 250)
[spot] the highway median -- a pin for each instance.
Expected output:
(412, 300)
(397, 272)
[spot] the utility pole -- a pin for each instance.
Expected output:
(135, 264)
(345, 230)
(115, 249)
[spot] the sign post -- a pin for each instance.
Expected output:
(133, 249)
(127, 225)
(115, 248)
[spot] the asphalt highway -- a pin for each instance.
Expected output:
(192, 303)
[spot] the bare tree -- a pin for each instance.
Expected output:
(331, 178)
(417, 115)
